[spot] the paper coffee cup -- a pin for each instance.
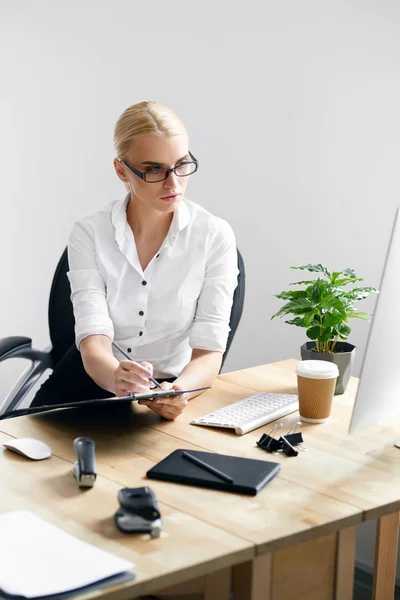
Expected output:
(316, 381)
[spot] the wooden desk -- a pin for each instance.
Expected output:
(295, 539)
(188, 548)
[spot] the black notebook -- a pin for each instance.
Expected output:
(248, 475)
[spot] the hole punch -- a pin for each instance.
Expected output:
(138, 512)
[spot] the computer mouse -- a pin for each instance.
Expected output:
(29, 447)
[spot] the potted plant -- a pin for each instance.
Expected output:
(324, 307)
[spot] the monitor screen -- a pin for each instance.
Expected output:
(378, 393)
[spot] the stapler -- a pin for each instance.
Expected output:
(85, 468)
(138, 512)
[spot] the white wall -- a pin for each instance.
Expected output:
(293, 112)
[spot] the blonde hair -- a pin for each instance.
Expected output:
(147, 118)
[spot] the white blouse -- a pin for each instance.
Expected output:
(182, 300)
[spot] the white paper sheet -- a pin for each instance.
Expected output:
(38, 559)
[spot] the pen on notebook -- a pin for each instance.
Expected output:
(129, 358)
(207, 467)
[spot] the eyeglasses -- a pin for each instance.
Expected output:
(155, 174)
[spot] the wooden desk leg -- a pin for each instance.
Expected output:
(218, 585)
(387, 534)
(252, 580)
(345, 563)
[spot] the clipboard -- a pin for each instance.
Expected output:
(151, 395)
(248, 475)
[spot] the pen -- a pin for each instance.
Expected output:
(207, 467)
(129, 358)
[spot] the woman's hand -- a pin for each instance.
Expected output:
(132, 377)
(169, 407)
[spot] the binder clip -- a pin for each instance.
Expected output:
(138, 512)
(290, 440)
(287, 447)
(293, 437)
(84, 469)
(268, 442)
(286, 443)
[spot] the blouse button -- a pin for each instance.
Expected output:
(140, 332)
(141, 313)
(129, 350)
(144, 282)
(157, 255)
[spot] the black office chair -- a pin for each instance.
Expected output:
(62, 336)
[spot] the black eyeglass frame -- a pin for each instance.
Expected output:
(142, 174)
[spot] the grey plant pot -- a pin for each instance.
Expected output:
(344, 359)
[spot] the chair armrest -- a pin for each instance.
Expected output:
(21, 347)
(9, 345)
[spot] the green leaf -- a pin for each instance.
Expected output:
(358, 315)
(313, 333)
(316, 292)
(299, 303)
(360, 293)
(331, 290)
(347, 280)
(314, 269)
(344, 331)
(304, 311)
(335, 275)
(297, 307)
(311, 282)
(298, 321)
(331, 319)
(291, 295)
(309, 319)
(349, 273)
(333, 302)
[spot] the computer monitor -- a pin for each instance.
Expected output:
(378, 392)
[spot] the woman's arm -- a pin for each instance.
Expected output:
(94, 329)
(120, 378)
(201, 371)
(99, 361)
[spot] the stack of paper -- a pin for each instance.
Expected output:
(38, 559)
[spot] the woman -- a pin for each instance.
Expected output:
(155, 273)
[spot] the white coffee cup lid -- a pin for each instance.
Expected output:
(317, 369)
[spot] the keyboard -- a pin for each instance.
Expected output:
(251, 412)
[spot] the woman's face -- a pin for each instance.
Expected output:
(149, 152)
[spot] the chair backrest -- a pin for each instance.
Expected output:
(237, 306)
(61, 316)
